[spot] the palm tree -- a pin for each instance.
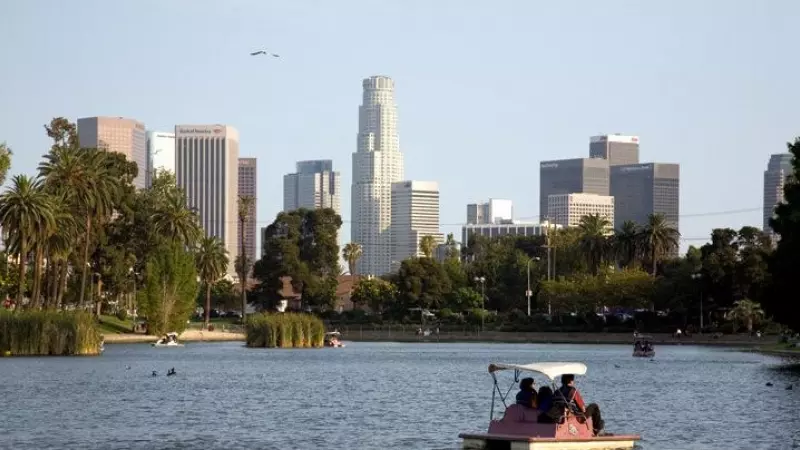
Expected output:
(24, 208)
(658, 238)
(451, 246)
(626, 243)
(594, 240)
(5, 161)
(747, 312)
(245, 206)
(176, 221)
(211, 260)
(351, 252)
(426, 245)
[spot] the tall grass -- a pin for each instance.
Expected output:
(284, 330)
(41, 333)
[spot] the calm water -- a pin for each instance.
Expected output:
(378, 395)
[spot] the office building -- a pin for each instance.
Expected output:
(569, 176)
(640, 190)
(494, 211)
(513, 228)
(314, 185)
(160, 154)
(415, 214)
(207, 169)
(778, 169)
(248, 187)
(568, 209)
(117, 134)
(377, 163)
(617, 149)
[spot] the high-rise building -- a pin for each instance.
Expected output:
(643, 189)
(494, 211)
(207, 168)
(248, 188)
(778, 169)
(160, 153)
(314, 185)
(415, 214)
(492, 230)
(377, 163)
(616, 148)
(569, 176)
(568, 209)
(117, 134)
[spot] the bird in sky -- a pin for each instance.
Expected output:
(265, 53)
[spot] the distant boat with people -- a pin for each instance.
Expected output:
(643, 346)
(332, 339)
(168, 340)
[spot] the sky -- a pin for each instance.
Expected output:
(485, 90)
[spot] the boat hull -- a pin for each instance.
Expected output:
(644, 354)
(167, 345)
(487, 441)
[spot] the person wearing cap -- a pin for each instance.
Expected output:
(527, 393)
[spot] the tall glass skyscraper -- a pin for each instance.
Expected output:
(117, 134)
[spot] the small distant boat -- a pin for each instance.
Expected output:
(643, 347)
(169, 340)
(332, 339)
(519, 427)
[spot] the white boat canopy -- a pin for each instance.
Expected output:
(549, 369)
(333, 333)
(172, 334)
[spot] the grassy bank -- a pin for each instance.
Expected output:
(286, 330)
(42, 333)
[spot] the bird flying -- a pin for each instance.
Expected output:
(265, 53)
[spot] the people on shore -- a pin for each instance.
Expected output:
(527, 393)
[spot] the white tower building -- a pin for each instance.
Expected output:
(377, 163)
(415, 214)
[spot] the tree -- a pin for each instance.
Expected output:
(211, 261)
(422, 283)
(465, 299)
(658, 239)
(24, 209)
(352, 253)
(170, 289)
(374, 293)
(5, 161)
(594, 242)
(451, 247)
(626, 244)
(747, 312)
(786, 259)
(427, 244)
(174, 219)
(244, 211)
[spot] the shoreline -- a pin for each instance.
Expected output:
(186, 336)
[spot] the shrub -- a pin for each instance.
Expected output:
(41, 333)
(284, 330)
(122, 314)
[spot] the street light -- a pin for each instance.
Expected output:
(698, 276)
(482, 281)
(529, 293)
(135, 310)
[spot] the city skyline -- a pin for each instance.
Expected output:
(314, 184)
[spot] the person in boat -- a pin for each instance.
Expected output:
(545, 401)
(569, 396)
(527, 393)
(637, 346)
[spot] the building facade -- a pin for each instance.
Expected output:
(207, 169)
(568, 209)
(494, 211)
(493, 230)
(617, 149)
(160, 154)
(569, 176)
(778, 169)
(643, 189)
(315, 185)
(117, 134)
(377, 163)
(415, 214)
(248, 187)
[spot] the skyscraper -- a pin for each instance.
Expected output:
(778, 168)
(377, 163)
(160, 153)
(415, 214)
(248, 188)
(571, 176)
(568, 209)
(314, 185)
(117, 134)
(494, 211)
(615, 148)
(643, 189)
(207, 168)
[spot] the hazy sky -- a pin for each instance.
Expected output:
(485, 90)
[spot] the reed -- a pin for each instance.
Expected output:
(42, 333)
(284, 330)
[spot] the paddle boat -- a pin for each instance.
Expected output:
(519, 428)
(169, 340)
(643, 347)
(332, 339)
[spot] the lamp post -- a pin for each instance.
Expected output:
(482, 281)
(134, 274)
(698, 276)
(528, 292)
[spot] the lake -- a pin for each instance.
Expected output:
(379, 395)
